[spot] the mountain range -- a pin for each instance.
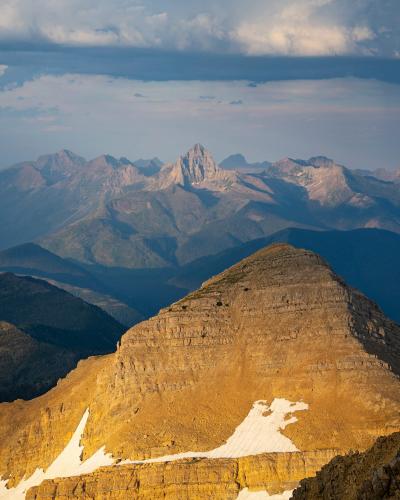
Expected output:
(111, 212)
(252, 382)
(365, 258)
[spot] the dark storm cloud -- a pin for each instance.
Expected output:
(25, 62)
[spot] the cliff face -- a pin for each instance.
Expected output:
(220, 479)
(277, 325)
(372, 475)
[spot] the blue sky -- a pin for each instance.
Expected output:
(267, 78)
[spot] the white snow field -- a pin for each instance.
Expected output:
(258, 433)
(68, 463)
(245, 494)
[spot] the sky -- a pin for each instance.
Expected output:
(267, 78)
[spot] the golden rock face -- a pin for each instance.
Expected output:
(279, 324)
(200, 479)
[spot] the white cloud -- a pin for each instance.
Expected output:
(292, 39)
(299, 27)
(362, 33)
(3, 69)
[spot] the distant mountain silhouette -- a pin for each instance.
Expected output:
(149, 167)
(239, 162)
(54, 328)
(30, 259)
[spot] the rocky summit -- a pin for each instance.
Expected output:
(252, 382)
(196, 168)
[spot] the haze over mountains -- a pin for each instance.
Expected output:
(176, 213)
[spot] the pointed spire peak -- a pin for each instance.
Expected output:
(196, 166)
(198, 151)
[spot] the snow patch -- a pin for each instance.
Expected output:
(245, 494)
(258, 433)
(67, 464)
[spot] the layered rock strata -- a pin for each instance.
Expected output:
(279, 324)
(220, 479)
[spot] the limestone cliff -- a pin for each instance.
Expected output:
(189, 479)
(279, 324)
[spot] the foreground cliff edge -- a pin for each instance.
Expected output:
(278, 329)
(371, 475)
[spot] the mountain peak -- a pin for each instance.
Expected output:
(196, 166)
(59, 166)
(64, 156)
(236, 160)
(198, 149)
(239, 162)
(321, 161)
(66, 153)
(278, 325)
(106, 160)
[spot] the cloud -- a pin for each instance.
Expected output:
(3, 69)
(300, 39)
(302, 28)
(237, 102)
(273, 27)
